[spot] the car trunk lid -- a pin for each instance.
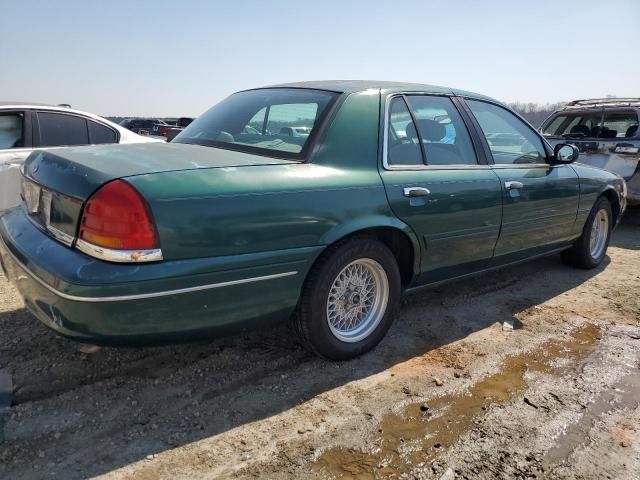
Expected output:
(57, 182)
(79, 171)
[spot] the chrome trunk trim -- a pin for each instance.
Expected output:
(119, 256)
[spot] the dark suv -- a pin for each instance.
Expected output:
(606, 132)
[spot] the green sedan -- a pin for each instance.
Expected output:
(384, 188)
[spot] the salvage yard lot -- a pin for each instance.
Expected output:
(446, 389)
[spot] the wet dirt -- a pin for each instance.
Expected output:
(624, 395)
(424, 430)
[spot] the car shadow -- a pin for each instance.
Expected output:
(93, 414)
(630, 224)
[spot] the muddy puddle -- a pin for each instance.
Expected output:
(424, 430)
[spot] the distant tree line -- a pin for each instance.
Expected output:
(535, 113)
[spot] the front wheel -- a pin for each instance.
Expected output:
(591, 247)
(349, 299)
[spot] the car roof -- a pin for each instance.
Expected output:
(25, 104)
(598, 104)
(42, 106)
(351, 86)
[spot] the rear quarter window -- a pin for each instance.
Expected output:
(101, 134)
(619, 124)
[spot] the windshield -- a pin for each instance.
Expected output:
(270, 121)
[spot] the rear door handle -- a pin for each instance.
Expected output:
(416, 192)
(513, 185)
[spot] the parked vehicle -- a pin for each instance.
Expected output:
(229, 227)
(25, 127)
(169, 131)
(606, 132)
(295, 131)
(142, 126)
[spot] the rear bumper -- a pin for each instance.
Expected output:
(167, 302)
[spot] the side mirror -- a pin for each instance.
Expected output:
(565, 153)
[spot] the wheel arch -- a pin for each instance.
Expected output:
(612, 196)
(396, 235)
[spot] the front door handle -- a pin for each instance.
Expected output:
(416, 192)
(513, 185)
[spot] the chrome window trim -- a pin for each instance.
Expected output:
(453, 166)
(385, 140)
(119, 256)
(143, 296)
(470, 167)
(523, 165)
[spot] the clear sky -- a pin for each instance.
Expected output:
(179, 57)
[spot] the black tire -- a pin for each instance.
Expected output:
(311, 318)
(579, 255)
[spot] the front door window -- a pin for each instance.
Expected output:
(510, 139)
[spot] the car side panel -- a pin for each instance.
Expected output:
(256, 209)
(593, 183)
(542, 213)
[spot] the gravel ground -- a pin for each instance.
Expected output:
(448, 394)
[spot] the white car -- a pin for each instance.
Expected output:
(27, 127)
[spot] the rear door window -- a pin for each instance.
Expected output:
(619, 124)
(101, 134)
(444, 136)
(11, 130)
(61, 129)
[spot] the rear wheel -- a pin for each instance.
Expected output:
(349, 299)
(590, 249)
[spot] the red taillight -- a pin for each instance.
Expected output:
(117, 217)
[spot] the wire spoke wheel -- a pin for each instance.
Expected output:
(357, 300)
(599, 233)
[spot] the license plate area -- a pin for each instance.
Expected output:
(31, 194)
(38, 203)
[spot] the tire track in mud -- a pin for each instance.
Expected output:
(229, 365)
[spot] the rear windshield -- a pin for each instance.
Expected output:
(272, 121)
(592, 124)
